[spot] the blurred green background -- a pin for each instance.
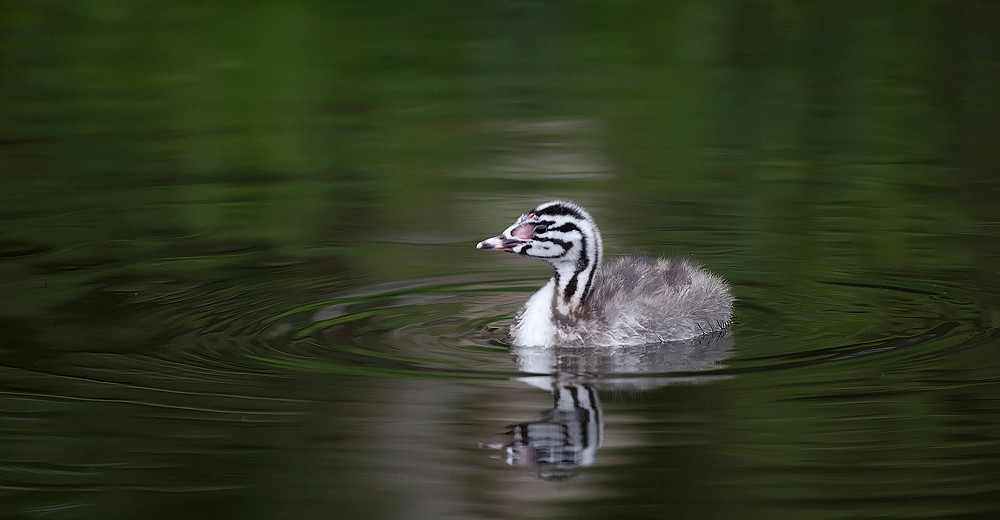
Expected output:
(161, 137)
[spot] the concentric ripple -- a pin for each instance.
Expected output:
(440, 327)
(456, 327)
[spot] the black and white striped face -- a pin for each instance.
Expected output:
(564, 235)
(558, 232)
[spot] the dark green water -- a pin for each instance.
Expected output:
(239, 276)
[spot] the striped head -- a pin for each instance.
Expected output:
(564, 235)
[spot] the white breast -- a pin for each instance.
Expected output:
(534, 325)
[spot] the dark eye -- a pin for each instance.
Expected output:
(541, 228)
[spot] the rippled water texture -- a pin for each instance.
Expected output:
(239, 276)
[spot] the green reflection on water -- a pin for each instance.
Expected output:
(208, 166)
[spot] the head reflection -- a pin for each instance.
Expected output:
(567, 437)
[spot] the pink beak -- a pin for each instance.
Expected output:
(515, 235)
(500, 243)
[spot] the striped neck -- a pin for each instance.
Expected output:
(575, 271)
(573, 284)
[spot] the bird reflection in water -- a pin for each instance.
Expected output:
(567, 436)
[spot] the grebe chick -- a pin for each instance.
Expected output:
(630, 300)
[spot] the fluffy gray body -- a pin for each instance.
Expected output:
(630, 300)
(635, 300)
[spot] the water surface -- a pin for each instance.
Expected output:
(239, 275)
